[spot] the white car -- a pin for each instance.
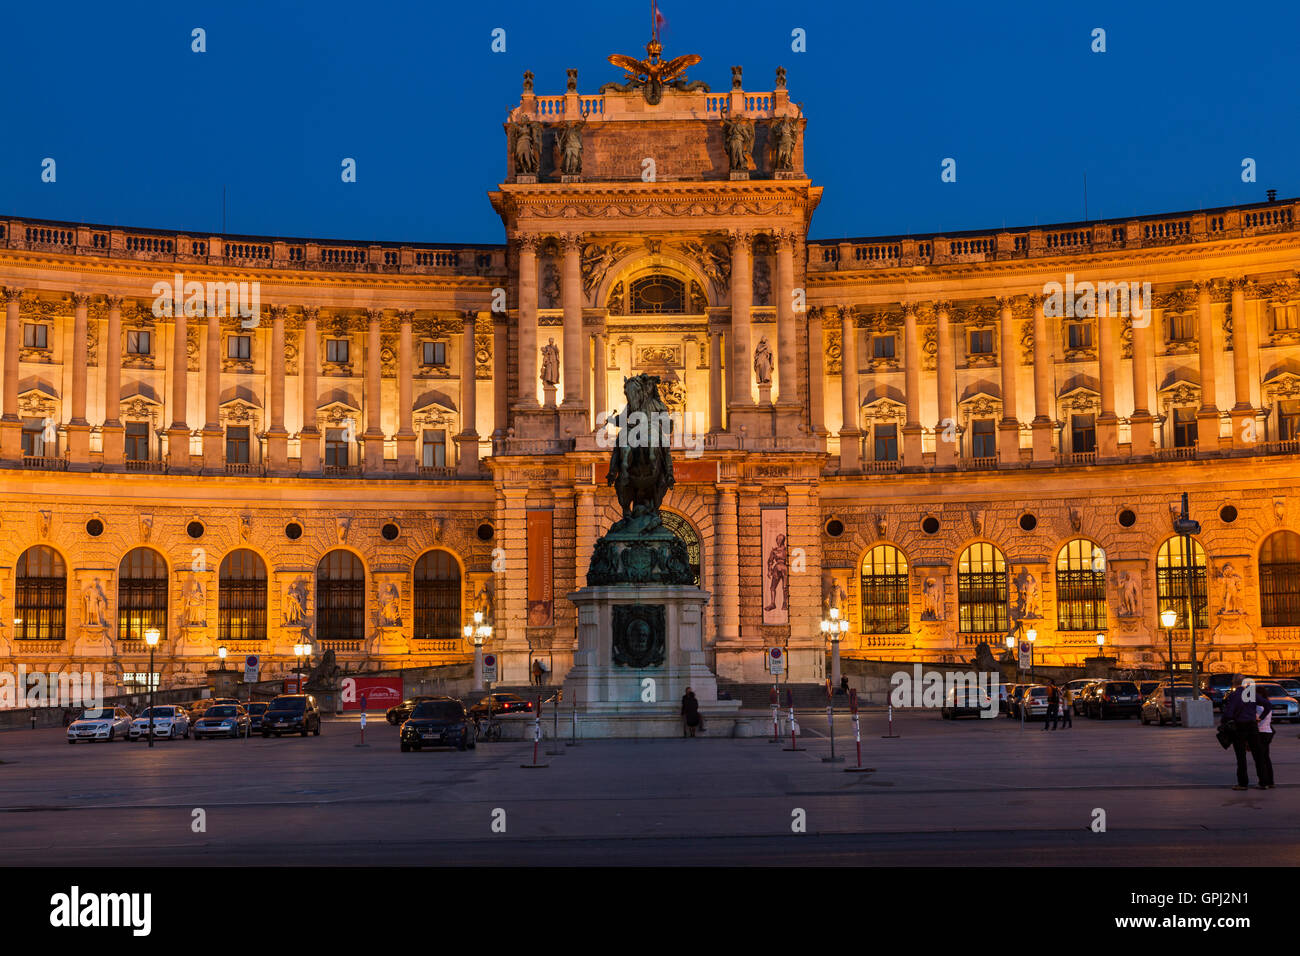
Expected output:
(168, 721)
(103, 723)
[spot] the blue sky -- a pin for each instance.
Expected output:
(146, 133)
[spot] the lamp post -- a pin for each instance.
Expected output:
(1186, 527)
(151, 636)
(833, 628)
(1168, 618)
(1101, 645)
(1031, 635)
(221, 653)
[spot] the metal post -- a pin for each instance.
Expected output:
(151, 697)
(1191, 605)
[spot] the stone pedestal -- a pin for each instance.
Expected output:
(548, 395)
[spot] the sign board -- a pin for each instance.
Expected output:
(379, 693)
(291, 685)
(776, 660)
(1026, 649)
(250, 669)
(490, 667)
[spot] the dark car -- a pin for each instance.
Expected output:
(222, 720)
(439, 722)
(256, 709)
(1147, 687)
(501, 704)
(1216, 687)
(291, 713)
(1014, 693)
(399, 712)
(1114, 698)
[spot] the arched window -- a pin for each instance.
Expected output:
(141, 595)
(884, 591)
(340, 597)
(1172, 573)
(40, 595)
(658, 293)
(1279, 580)
(241, 597)
(981, 590)
(686, 532)
(1081, 587)
(437, 596)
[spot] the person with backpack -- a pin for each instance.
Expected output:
(1053, 704)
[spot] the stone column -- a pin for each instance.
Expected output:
(406, 451)
(277, 439)
(945, 452)
(1107, 360)
(715, 379)
(111, 355)
(527, 321)
(1141, 422)
(78, 428)
(11, 430)
(912, 387)
(374, 434)
(600, 377)
(1207, 417)
(571, 296)
(1243, 412)
(816, 374)
(787, 356)
(500, 373)
(178, 434)
(467, 440)
(212, 450)
(1009, 426)
(1043, 424)
(742, 297)
(850, 434)
(726, 569)
(309, 435)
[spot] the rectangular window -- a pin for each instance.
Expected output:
(434, 450)
(983, 440)
(138, 342)
(1083, 433)
(137, 441)
(239, 347)
(981, 342)
(34, 437)
(237, 444)
(1285, 318)
(336, 448)
(1184, 427)
(1288, 419)
(35, 335)
(1181, 328)
(882, 347)
(1079, 335)
(886, 443)
(435, 353)
(336, 350)
(141, 680)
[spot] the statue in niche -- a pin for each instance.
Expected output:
(738, 135)
(835, 598)
(295, 602)
(1028, 601)
(526, 146)
(390, 609)
(550, 362)
(94, 605)
(1130, 600)
(551, 285)
(569, 139)
(785, 136)
(762, 282)
(763, 362)
(1232, 585)
(932, 599)
(483, 601)
(194, 614)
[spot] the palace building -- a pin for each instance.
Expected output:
(255, 442)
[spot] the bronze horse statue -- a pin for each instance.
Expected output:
(641, 466)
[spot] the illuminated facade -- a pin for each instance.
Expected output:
(947, 432)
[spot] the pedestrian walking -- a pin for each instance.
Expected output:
(1067, 708)
(1241, 712)
(690, 713)
(1265, 772)
(537, 673)
(1053, 704)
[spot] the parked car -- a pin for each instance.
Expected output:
(1014, 692)
(289, 713)
(1114, 698)
(1216, 687)
(222, 720)
(1285, 707)
(100, 723)
(169, 720)
(966, 701)
(1034, 701)
(440, 722)
(1162, 706)
(501, 704)
(399, 712)
(1288, 684)
(256, 709)
(1083, 699)
(1075, 688)
(1147, 687)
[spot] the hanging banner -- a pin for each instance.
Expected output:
(776, 567)
(541, 595)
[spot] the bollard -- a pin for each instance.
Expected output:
(857, 734)
(363, 731)
(891, 733)
(794, 745)
(830, 723)
(774, 700)
(537, 739)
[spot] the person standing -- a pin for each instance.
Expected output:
(1067, 707)
(1265, 740)
(1053, 704)
(690, 713)
(1240, 716)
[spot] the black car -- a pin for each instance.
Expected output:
(255, 712)
(1216, 687)
(501, 704)
(1114, 698)
(438, 722)
(222, 720)
(399, 712)
(290, 713)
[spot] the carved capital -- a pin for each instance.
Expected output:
(943, 307)
(374, 316)
(113, 301)
(570, 243)
(741, 239)
(277, 312)
(1006, 303)
(11, 294)
(310, 313)
(527, 243)
(79, 300)
(405, 316)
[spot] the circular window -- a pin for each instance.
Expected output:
(930, 525)
(94, 527)
(1127, 518)
(1228, 514)
(835, 527)
(293, 531)
(1028, 522)
(486, 531)
(194, 529)
(390, 531)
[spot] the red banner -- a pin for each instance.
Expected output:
(541, 573)
(696, 469)
(380, 693)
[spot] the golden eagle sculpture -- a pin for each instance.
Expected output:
(651, 75)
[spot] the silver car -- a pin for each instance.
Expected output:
(168, 721)
(100, 723)
(1285, 707)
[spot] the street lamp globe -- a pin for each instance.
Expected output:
(835, 614)
(844, 627)
(1031, 635)
(469, 631)
(1011, 642)
(151, 636)
(1168, 618)
(826, 626)
(222, 652)
(1101, 640)
(478, 617)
